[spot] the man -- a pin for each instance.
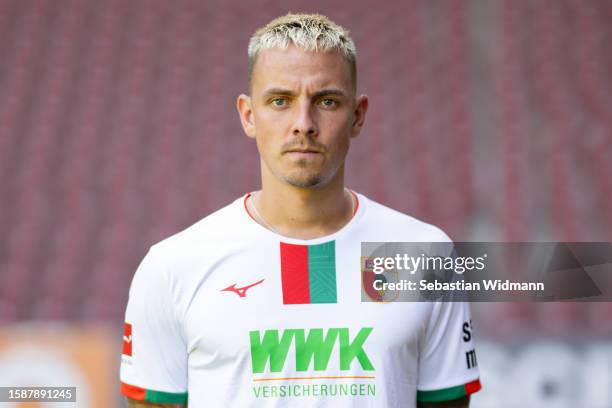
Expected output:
(259, 304)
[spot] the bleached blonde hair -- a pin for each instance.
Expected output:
(310, 32)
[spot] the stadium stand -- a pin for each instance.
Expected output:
(118, 128)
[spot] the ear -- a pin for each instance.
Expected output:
(361, 108)
(245, 111)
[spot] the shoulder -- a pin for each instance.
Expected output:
(174, 264)
(397, 226)
(205, 241)
(212, 229)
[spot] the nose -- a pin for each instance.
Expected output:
(305, 124)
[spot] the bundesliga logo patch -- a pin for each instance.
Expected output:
(127, 339)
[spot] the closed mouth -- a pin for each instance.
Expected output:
(302, 151)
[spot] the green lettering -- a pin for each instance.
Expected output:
(315, 345)
(348, 351)
(270, 347)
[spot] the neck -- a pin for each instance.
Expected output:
(304, 213)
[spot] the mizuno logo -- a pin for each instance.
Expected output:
(241, 291)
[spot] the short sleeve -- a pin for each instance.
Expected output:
(448, 368)
(154, 356)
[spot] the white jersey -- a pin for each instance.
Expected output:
(229, 313)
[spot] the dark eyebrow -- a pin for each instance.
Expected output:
(316, 95)
(329, 92)
(278, 91)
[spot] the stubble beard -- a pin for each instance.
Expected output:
(311, 180)
(308, 182)
(303, 181)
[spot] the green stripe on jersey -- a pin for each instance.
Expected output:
(165, 397)
(322, 272)
(444, 394)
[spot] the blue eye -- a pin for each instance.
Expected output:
(279, 102)
(328, 102)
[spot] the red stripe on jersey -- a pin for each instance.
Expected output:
(294, 273)
(246, 208)
(133, 392)
(472, 387)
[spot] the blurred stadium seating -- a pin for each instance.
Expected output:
(492, 120)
